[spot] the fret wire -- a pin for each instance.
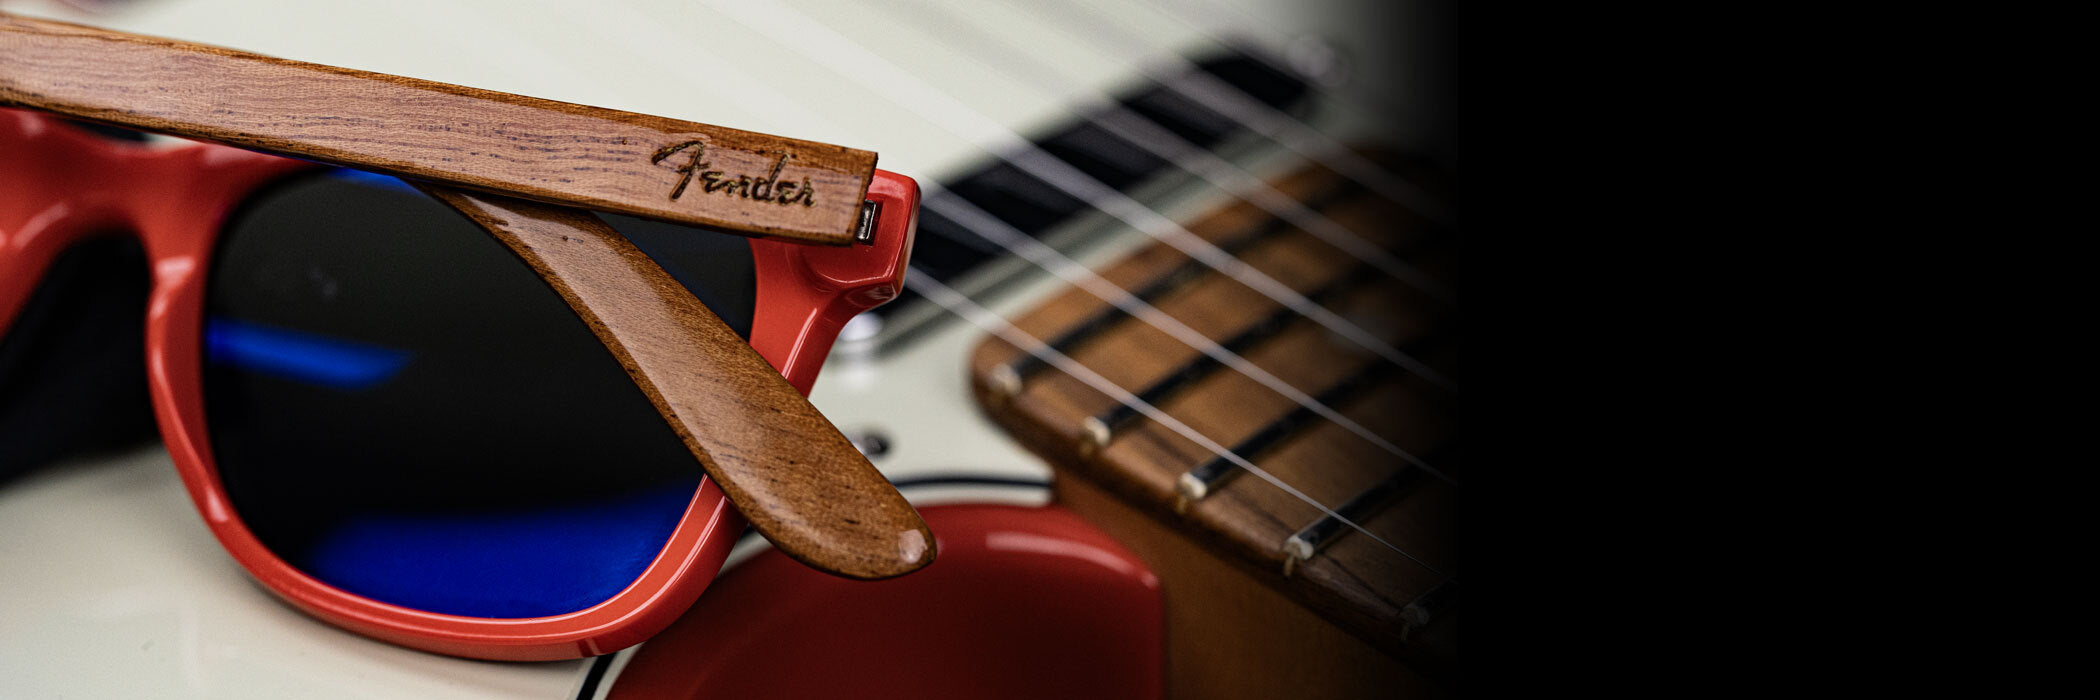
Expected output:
(1418, 612)
(1238, 344)
(1196, 484)
(964, 308)
(1152, 223)
(1100, 109)
(992, 229)
(954, 302)
(1314, 538)
(1183, 273)
(752, 90)
(1281, 128)
(1223, 174)
(962, 212)
(847, 57)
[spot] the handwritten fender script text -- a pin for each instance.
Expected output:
(765, 189)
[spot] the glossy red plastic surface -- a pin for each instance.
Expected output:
(1023, 603)
(59, 185)
(831, 284)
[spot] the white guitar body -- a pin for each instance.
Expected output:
(111, 587)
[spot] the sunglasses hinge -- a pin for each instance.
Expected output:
(869, 211)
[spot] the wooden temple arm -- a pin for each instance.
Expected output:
(798, 481)
(554, 152)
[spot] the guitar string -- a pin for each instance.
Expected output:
(848, 58)
(775, 102)
(990, 322)
(1191, 15)
(1098, 107)
(991, 229)
(652, 37)
(987, 226)
(977, 315)
(1282, 128)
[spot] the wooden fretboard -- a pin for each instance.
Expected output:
(1390, 594)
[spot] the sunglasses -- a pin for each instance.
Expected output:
(426, 398)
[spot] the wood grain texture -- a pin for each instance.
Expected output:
(1356, 583)
(798, 481)
(555, 152)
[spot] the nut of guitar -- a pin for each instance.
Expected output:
(1306, 446)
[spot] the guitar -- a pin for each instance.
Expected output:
(984, 103)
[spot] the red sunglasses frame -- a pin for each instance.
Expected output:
(62, 185)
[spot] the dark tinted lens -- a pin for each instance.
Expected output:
(401, 408)
(72, 369)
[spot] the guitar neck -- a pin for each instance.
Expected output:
(1339, 488)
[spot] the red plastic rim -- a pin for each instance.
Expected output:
(63, 185)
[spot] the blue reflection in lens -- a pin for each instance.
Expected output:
(301, 357)
(371, 179)
(507, 564)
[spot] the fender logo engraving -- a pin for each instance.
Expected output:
(764, 189)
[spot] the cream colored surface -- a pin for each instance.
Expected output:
(110, 587)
